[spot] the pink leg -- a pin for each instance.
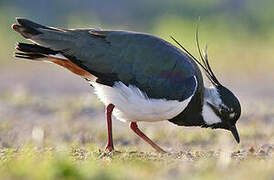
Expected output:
(135, 128)
(109, 110)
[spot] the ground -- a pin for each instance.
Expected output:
(53, 127)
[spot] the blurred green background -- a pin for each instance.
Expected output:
(46, 106)
(239, 32)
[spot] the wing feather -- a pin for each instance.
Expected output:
(145, 61)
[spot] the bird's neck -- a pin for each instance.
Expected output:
(212, 96)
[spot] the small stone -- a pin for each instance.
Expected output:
(262, 152)
(252, 149)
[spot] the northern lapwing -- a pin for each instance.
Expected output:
(139, 77)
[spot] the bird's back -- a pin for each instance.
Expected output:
(153, 65)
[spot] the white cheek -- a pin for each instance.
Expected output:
(209, 116)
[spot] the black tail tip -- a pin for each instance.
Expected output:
(28, 23)
(20, 19)
(27, 28)
(23, 21)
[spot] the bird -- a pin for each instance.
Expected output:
(137, 76)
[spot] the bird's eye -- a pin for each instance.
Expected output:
(225, 111)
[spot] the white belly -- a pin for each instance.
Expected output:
(133, 105)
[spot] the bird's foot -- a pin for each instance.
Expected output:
(109, 149)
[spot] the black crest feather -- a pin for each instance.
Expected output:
(204, 59)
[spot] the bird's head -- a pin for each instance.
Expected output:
(221, 108)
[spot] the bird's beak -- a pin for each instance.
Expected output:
(235, 133)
